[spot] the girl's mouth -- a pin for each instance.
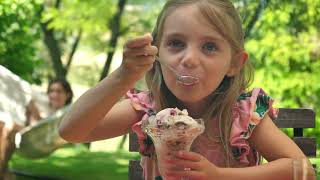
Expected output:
(188, 83)
(187, 79)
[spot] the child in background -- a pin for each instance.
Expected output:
(202, 39)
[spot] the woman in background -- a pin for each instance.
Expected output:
(59, 94)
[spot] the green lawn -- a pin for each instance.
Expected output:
(317, 162)
(78, 163)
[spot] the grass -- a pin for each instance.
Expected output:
(316, 161)
(77, 162)
(72, 162)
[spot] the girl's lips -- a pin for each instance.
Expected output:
(187, 84)
(186, 79)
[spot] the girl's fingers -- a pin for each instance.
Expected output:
(139, 41)
(142, 60)
(191, 156)
(194, 175)
(145, 50)
(183, 164)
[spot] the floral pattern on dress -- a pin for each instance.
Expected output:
(250, 109)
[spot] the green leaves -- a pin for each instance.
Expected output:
(18, 37)
(284, 48)
(91, 16)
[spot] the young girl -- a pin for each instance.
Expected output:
(203, 39)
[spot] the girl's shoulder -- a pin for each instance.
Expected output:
(257, 103)
(141, 101)
(249, 110)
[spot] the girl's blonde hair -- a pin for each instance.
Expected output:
(224, 19)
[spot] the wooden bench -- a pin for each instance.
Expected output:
(298, 119)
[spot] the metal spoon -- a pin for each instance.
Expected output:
(184, 79)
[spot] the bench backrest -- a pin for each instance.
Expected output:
(298, 119)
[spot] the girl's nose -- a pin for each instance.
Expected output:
(190, 59)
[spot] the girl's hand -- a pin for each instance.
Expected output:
(138, 56)
(192, 166)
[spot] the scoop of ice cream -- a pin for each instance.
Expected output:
(173, 126)
(172, 118)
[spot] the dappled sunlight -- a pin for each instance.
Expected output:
(109, 145)
(76, 162)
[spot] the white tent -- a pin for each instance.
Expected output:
(15, 94)
(37, 140)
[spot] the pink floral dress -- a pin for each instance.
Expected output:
(247, 113)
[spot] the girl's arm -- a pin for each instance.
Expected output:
(94, 115)
(267, 139)
(91, 111)
(277, 148)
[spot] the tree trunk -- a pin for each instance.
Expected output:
(54, 51)
(52, 44)
(74, 47)
(115, 32)
(262, 5)
(123, 140)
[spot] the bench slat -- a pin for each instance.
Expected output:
(307, 145)
(295, 118)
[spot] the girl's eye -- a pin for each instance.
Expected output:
(209, 47)
(176, 44)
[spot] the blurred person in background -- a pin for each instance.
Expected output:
(59, 94)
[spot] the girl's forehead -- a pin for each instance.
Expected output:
(188, 20)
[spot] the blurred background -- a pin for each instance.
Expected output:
(81, 41)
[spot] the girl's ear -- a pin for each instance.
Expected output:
(237, 63)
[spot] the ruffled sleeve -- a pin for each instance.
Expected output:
(141, 101)
(249, 110)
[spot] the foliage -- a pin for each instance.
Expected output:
(94, 18)
(19, 35)
(284, 48)
(91, 17)
(140, 17)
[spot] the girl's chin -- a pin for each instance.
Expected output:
(189, 98)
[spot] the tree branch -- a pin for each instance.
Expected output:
(58, 3)
(115, 31)
(73, 50)
(262, 5)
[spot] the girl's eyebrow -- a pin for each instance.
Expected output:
(181, 35)
(174, 35)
